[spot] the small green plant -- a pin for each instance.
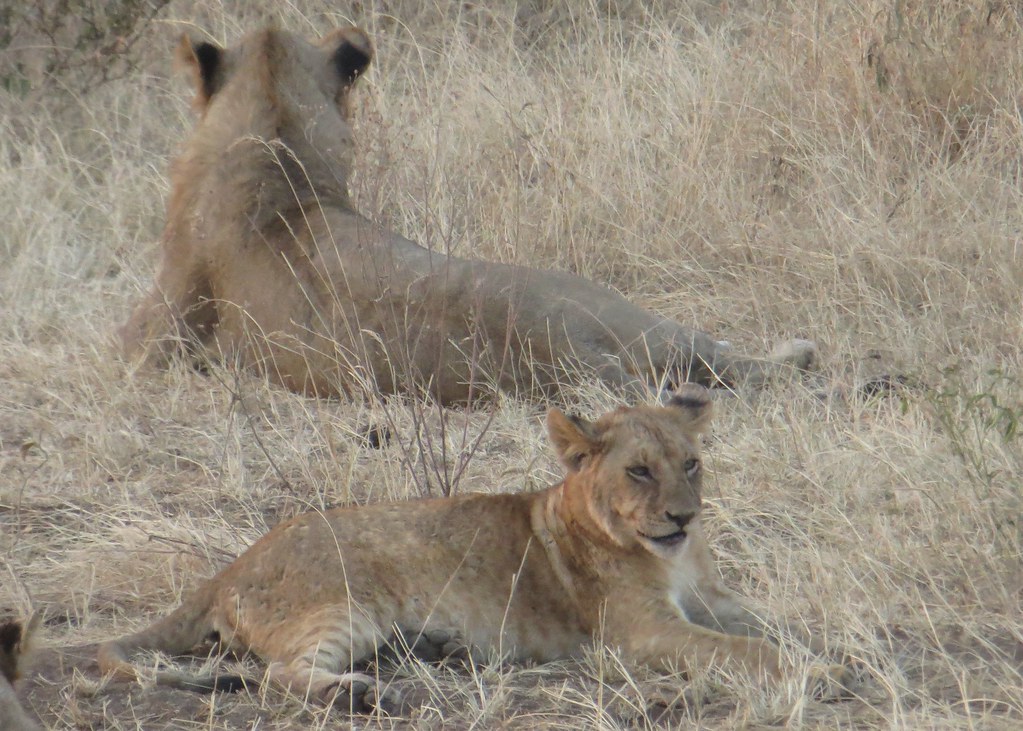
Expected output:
(983, 424)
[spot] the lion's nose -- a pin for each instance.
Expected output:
(680, 519)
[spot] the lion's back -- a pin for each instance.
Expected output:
(389, 556)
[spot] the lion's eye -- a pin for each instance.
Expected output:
(691, 466)
(639, 472)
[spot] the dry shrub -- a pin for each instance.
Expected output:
(70, 45)
(944, 62)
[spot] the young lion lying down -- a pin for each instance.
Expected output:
(265, 261)
(616, 550)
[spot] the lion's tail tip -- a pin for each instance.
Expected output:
(206, 684)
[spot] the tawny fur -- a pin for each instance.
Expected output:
(265, 261)
(616, 551)
(14, 639)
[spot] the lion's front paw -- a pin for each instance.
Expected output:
(831, 682)
(437, 645)
(797, 353)
(361, 693)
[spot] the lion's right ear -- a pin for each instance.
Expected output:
(696, 406)
(204, 62)
(573, 438)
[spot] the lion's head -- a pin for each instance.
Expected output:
(638, 468)
(276, 67)
(273, 119)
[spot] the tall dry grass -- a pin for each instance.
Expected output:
(847, 172)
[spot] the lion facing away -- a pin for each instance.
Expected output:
(266, 262)
(615, 551)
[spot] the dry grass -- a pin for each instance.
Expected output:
(847, 172)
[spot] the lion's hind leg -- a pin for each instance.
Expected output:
(316, 663)
(183, 629)
(178, 315)
(354, 691)
(436, 645)
(716, 364)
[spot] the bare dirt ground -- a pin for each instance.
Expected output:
(848, 173)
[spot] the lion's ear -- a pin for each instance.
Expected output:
(204, 61)
(350, 51)
(573, 438)
(695, 403)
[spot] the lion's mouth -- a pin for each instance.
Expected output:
(668, 540)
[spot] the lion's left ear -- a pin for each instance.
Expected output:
(695, 403)
(573, 438)
(350, 51)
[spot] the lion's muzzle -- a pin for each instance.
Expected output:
(673, 538)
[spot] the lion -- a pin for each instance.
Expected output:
(615, 553)
(266, 262)
(14, 639)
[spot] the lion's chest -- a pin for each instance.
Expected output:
(684, 574)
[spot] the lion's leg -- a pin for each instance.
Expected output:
(177, 313)
(709, 603)
(663, 636)
(710, 362)
(715, 608)
(618, 371)
(316, 655)
(721, 366)
(685, 645)
(12, 716)
(437, 645)
(353, 691)
(610, 372)
(725, 614)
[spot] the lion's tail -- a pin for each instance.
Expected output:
(711, 362)
(227, 683)
(177, 633)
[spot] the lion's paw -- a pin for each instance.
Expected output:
(797, 353)
(437, 645)
(831, 682)
(361, 693)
